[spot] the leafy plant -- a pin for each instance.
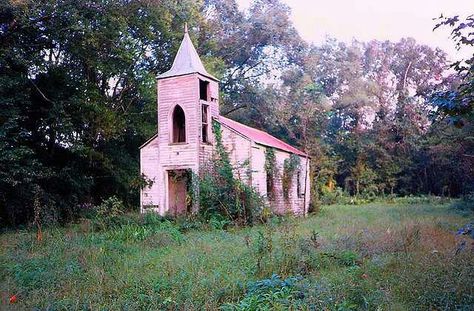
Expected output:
(271, 171)
(290, 166)
(270, 294)
(108, 212)
(223, 199)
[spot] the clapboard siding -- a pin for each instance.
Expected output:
(259, 175)
(239, 150)
(294, 203)
(182, 91)
(160, 155)
(149, 166)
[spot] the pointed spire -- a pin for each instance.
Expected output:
(186, 60)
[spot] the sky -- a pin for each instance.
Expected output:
(377, 19)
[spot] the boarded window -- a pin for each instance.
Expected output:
(205, 123)
(203, 90)
(179, 125)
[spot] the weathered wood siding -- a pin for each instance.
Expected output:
(162, 155)
(183, 91)
(243, 151)
(259, 175)
(295, 203)
(239, 149)
(149, 166)
(206, 149)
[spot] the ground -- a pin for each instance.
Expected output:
(380, 256)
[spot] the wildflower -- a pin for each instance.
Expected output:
(13, 299)
(364, 276)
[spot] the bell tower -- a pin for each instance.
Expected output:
(187, 104)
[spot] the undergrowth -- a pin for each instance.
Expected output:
(414, 256)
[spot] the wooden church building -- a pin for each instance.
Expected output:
(188, 103)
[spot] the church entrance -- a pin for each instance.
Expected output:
(179, 198)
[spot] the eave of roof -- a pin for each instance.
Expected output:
(260, 137)
(148, 141)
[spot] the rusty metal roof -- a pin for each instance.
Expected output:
(260, 137)
(186, 61)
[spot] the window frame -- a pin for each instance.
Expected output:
(172, 127)
(205, 123)
(204, 90)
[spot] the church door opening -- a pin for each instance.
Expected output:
(178, 192)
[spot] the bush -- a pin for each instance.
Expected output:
(108, 213)
(223, 199)
(270, 294)
(466, 203)
(336, 196)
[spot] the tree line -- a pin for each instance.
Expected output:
(78, 97)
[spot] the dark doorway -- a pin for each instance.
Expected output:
(203, 90)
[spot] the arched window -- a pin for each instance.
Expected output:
(179, 125)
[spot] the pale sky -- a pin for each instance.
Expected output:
(376, 19)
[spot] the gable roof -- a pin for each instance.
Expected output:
(186, 60)
(149, 141)
(260, 137)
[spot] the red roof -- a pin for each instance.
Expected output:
(259, 137)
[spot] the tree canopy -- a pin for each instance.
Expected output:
(78, 97)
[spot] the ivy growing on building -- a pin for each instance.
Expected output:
(222, 197)
(271, 172)
(290, 166)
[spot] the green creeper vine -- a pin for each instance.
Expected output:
(290, 165)
(224, 199)
(271, 170)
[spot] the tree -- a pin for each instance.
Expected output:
(77, 98)
(458, 104)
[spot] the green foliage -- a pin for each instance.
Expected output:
(108, 213)
(458, 103)
(465, 203)
(148, 262)
(85, 105)
(269, 294)
(163, 233)
(290, 166)
(271, 171)
(223, 199)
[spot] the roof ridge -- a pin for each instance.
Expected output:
(275, 143)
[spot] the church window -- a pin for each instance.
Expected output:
(205, 123)
(179, 125)
(203, 90)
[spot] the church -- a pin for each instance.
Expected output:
(188, 104)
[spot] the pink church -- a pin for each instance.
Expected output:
(188, 103)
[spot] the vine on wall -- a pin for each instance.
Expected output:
(222, 197)
(271, 172)
(290, 166)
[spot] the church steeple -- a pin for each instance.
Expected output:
(187, 60)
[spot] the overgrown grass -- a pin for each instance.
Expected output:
(397, 256)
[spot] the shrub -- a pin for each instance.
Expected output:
(466, 203)
(223, 199)
(290, 166)
(336, 196)
(108, 213)
(270, 294)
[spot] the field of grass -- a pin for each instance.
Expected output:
(379, 256)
